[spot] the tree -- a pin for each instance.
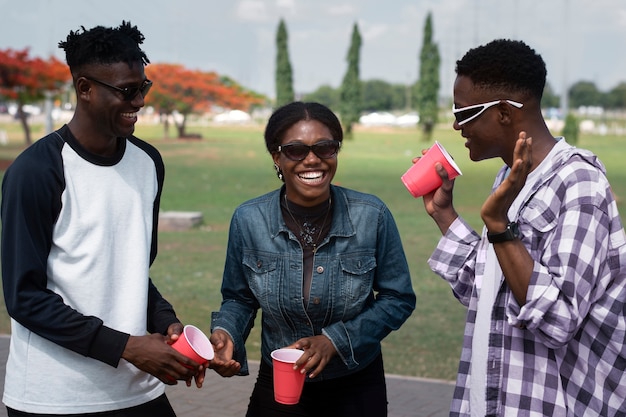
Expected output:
(571, 129)
(185, 91)
(585, 93)
(427, 85)
(616, 98)
(549, 99)
(325, 95)
(284, 75)
(379, 95)
(175, 89)
(28, 80)
(350, 96)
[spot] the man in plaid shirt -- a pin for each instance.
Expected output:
(545, 282)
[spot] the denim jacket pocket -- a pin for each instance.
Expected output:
(259, 269)
(357, 277)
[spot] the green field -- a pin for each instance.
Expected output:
(230, 165)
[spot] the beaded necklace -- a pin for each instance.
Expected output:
(308, 229)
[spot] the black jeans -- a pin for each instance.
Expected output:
(159, 407)
(362, 394)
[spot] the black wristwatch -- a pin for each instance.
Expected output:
(511, 233)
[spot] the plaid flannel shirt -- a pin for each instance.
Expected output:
(562, 353)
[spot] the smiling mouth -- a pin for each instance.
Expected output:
(129, 115)
(311, 177)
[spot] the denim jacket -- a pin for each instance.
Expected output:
(361, 287)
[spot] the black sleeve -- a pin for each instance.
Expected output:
(160, 312)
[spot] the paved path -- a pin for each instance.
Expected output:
(228, 397)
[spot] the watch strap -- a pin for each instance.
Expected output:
(511, 233)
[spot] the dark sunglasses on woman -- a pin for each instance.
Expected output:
(297, 151)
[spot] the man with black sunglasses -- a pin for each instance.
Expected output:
(545, 282)
(90, 333)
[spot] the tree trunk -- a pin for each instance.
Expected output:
(166, 125)
(181, 127)
(23, 117)
(427, 131)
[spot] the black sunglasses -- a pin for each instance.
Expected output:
(297, 151)
(128, 93)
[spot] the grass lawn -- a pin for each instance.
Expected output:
(230, 165)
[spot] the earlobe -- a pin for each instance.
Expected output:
(279, 172)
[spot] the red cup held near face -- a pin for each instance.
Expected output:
(288, 382)
(194, 344)
(422, 178)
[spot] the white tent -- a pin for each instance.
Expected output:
(233, 116)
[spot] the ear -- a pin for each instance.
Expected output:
(276, 158)
(83, 88)
(505, 113)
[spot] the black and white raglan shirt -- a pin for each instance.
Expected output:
(79, 233)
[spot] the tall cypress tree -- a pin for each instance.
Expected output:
(351, 95)
(284, 76)
(427, 86)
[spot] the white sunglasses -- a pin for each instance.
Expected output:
(469, 113)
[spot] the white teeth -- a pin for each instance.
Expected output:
(311, 175)
(129, 115)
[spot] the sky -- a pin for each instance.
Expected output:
(580, 40)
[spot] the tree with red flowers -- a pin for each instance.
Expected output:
(28, 80)
(179, 89)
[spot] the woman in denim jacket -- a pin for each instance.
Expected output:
(326, 266)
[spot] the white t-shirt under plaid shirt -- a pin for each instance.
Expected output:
(563, 353)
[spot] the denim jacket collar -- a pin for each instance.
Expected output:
(341, 226)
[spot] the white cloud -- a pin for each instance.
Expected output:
(622, 18)
(252, 10)
(344, 9)
(372, 32)
(287, 5)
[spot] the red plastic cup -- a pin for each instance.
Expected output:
(288, 383)
(194, 344)
(422, 177)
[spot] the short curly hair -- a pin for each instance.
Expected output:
(290, 114)
(104, 45)
(506, 66)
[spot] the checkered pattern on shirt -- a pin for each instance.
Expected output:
(563, 353)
